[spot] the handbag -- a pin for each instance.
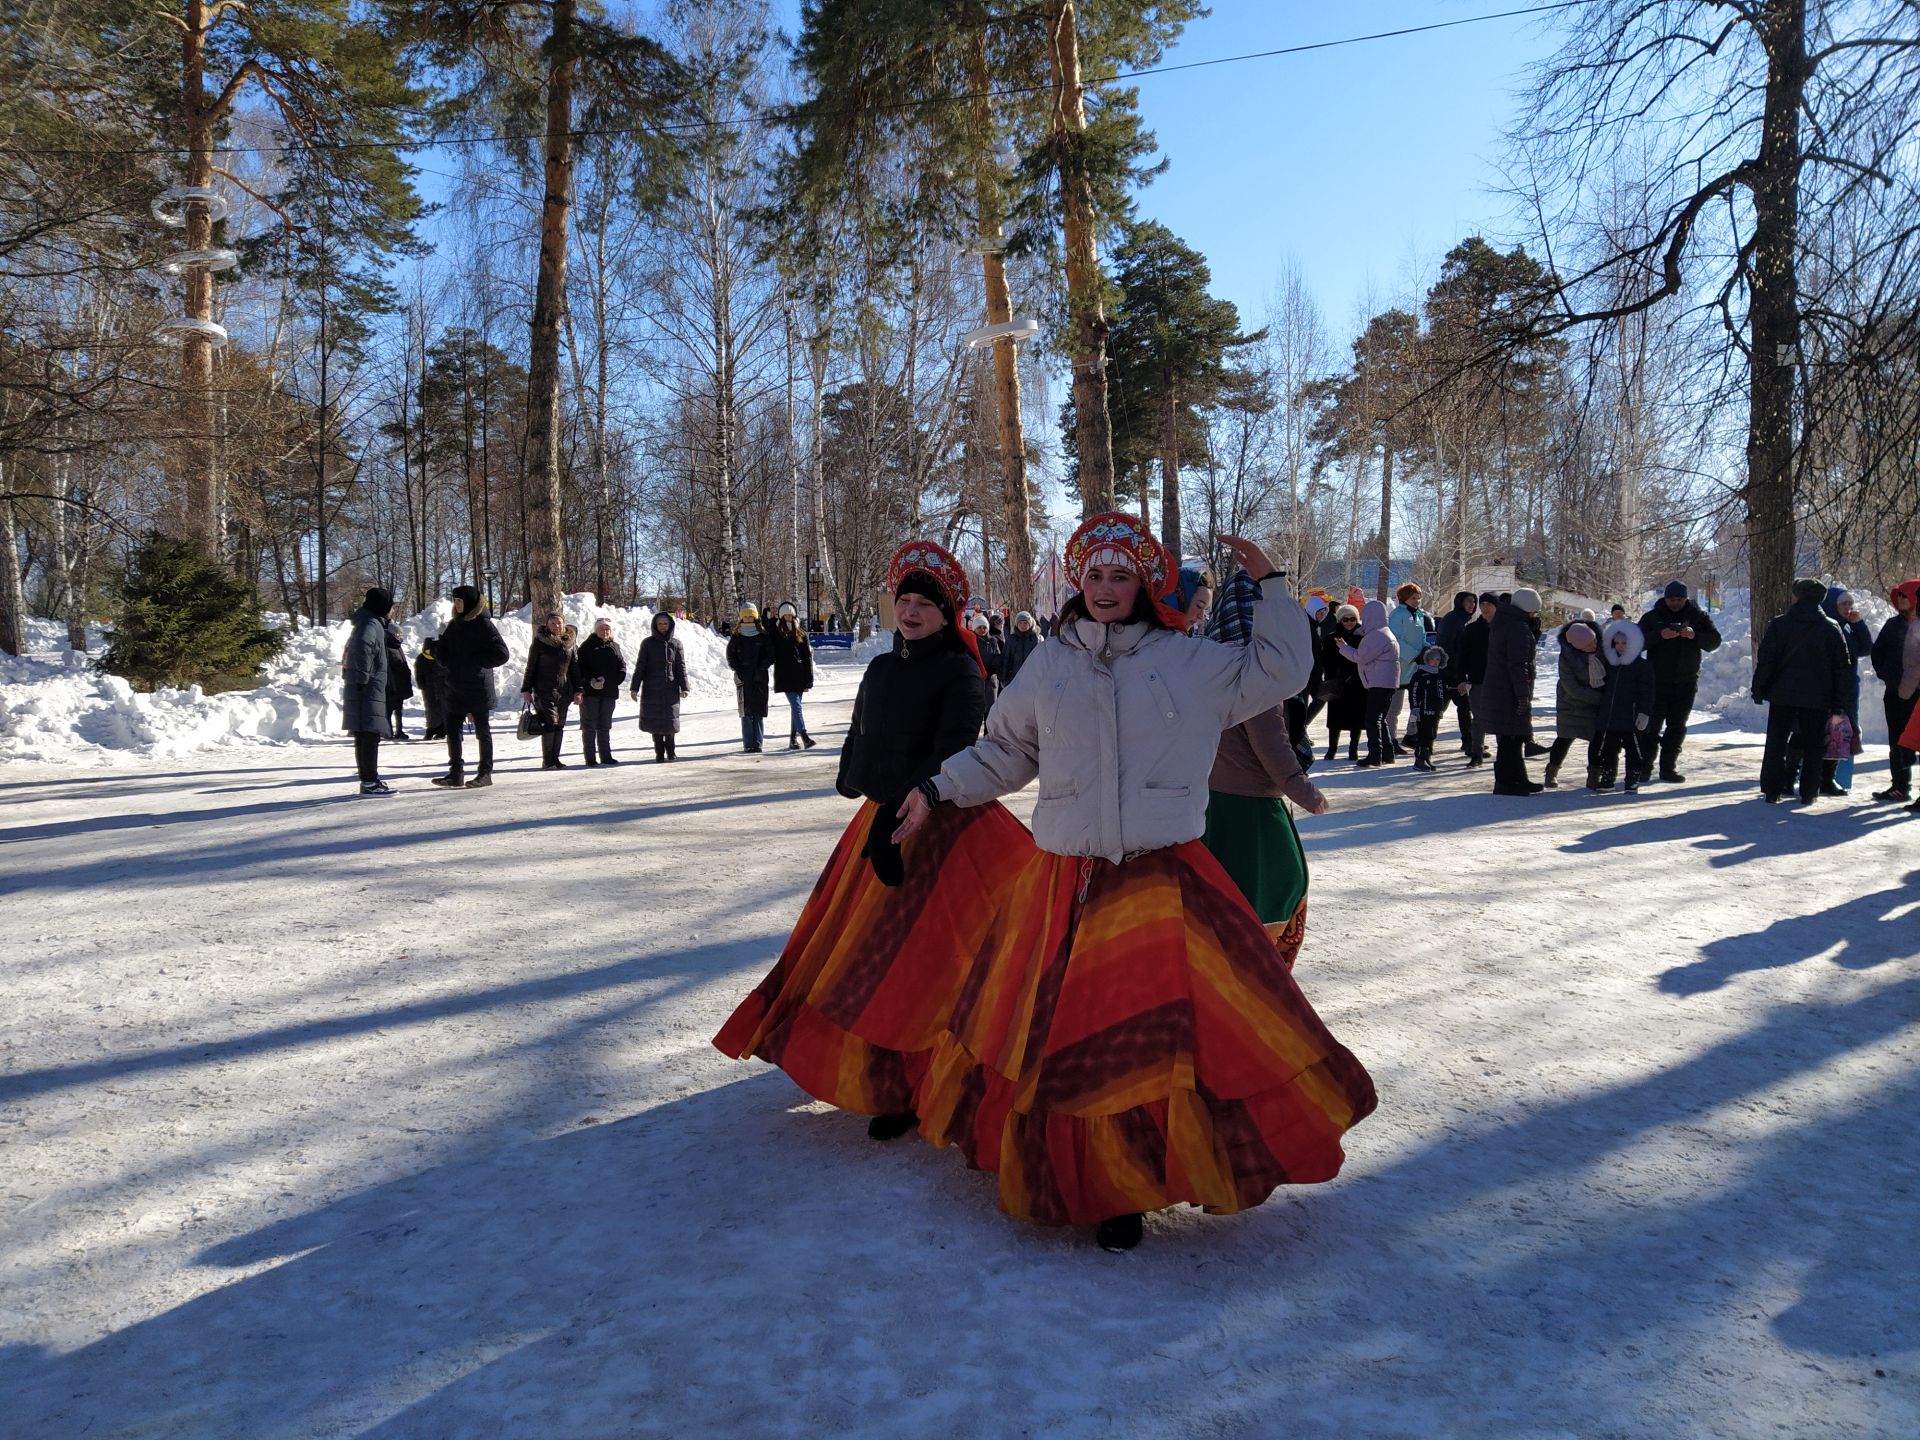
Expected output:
(532, 724)
(1839, 738)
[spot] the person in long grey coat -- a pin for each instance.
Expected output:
(1582, 686)
(660, 684)
(364, 687)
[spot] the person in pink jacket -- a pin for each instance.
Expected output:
(1378, 659)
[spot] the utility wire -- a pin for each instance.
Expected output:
(788, 114)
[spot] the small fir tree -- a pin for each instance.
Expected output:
(186, 620)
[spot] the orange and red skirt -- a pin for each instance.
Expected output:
(1105, 1038)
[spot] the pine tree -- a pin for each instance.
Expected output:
(187, 620)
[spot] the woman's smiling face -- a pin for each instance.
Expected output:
(1110, 592)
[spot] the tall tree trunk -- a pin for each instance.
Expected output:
(1170, 468)
(195, 500)
(546, 575)
(1386, 519)
(1093, 429)
(817, 471)
(731, 540)
(13, 607)
(1773, 316)
(1015, 497)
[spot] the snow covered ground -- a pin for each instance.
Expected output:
(327, 1117)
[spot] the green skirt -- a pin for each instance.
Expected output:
(1253, 838)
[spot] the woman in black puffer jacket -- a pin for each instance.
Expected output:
(602, 668)
(551, 685)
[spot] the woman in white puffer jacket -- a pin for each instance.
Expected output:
(1130, 1038)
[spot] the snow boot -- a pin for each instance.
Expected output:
(1552, 775)
(1914, 808)
(1893, 793)
(1119, 1233)
(807, 742)
(480, 781)
(891, 1127)
(590, 762)
(608, 760)
(672, 754)
(793, 742)
(659, 750)
(452, 780)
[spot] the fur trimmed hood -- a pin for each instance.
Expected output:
(564, 641)
(1630, 632)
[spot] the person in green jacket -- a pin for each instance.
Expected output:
(1413, 628)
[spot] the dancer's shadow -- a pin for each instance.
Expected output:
(1868, 929)
(1738, 831)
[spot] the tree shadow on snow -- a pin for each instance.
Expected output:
(1741, 830)
(1869, 930)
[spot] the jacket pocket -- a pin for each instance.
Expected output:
(1166, 790)
(1059, 790)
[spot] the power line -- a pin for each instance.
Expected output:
(787, 114)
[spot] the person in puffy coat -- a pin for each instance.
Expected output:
(1118, 719)
(793, 672)
(1800, 675)
(363, 669)
(1414, 629)
(551, 685)
(1426, 703)
(1678, 632)
(749, 657)
(602, 669)
(1581, 686)
(470, 650)
(399, 685)
(660, 684)
(1377, 658)
(1626, 706)
(430, 680)
(1346, 691)
(1837, 774)
(1896, 660)
(1450, 634)
(1503, 701)
(1022, 641)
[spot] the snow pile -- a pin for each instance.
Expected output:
(1726, 673)
(54, 708)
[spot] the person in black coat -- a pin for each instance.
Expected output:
(399, 685)
(364, 688)
(602, 669)
(430, 680)
(1800, 675)
(792, 672)
(1346, 692)
(1626, 707)
(749, 656)
(1022, 641)
(470, 650)
(552, 684)
(1451, 636)
(1678, 633)
(1471, 667)
(1896, 660)
(660, 684)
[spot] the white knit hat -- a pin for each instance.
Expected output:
(1528, 600)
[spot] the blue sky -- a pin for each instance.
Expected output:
(1361, 163)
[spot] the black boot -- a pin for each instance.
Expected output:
(1119, 1233)
(452, 780)
(1829, 782)
(891, 1127)
(807, 741)
(672, 754)
(479, 782)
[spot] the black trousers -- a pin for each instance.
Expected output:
(1796, 750)
(1469, 742)
(551, 741)
(458, 712)
(394, 728)
(1612, 745)
(1510, 762)
(1379, 740)
(1426, 729)
(1666, 732)
(596, 725)
(366, 755)
(1899, 757)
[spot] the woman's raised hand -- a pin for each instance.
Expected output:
(1252, 558)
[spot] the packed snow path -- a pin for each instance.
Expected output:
(329, 1116)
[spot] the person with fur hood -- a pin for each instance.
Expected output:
(602, 670)
(1578, 693)
(660, 684)
(1377, 658)
(1256, 770)
(1896, 660)
(551, 685)
(1426, 703)
(470, 650)
(1346, 691)
(1626, 706)
(1172, 1058)
(363, 689)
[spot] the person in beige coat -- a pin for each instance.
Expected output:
(1130, 1037)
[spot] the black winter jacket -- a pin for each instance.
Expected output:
(792, 660)
(1450, 636)
(1890, 651)
(1473, 651)
(601, 660)
(1803, 661)
(553, 674)
(1629, 695)
(748, 656)
(399, 682)
(1020, 646)
(660, 681)
(1676, 662)
(916, 706)
(470, 650)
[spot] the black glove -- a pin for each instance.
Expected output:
(888, 868)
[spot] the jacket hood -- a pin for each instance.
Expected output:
(1835, 594)
(1909, 588)
(1622, 629)
(1374, 617)
(653, 625)
(563, 642)
(1096, 636)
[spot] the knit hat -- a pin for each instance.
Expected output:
(1434, 655)
(1025, 617)
(1589, 616)
(1487, 597)
(1808, 588)
(1676, 590)
(1528, 599)
(1346, 612)
(468, 597)
(1581, 636)
(977, 622)
(789, 610)
(379, 602)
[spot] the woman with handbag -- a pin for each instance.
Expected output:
(864, 987)
(550, 686)
(1131, 1039)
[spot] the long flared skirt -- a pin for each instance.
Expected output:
(1254, 839)
(864, 988)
